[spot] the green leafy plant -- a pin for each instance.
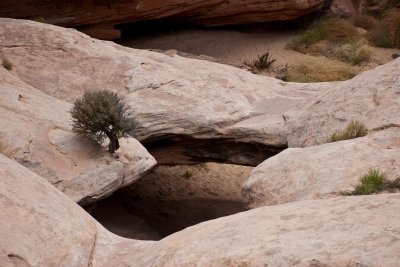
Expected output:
(375, 181)
(101, 114)
(353, 130)
(7, 64)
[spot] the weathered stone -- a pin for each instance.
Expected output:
(372, 98)
(98, 19)
(322, 171)
(37, 127)
(185, 110)
(42, 227)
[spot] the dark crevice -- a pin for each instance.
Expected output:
(181, 149)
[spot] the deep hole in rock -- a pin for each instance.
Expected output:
(171, 198)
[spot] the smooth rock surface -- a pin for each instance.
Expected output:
(37, 126)
(100, 19)
(372, 97)
(344, 231)
(322, 171)
(189, 110)
(196, 109)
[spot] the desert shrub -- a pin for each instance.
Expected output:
(387, 33)
(353, 130)
(336, 30)
(6, 149)
(375, 181)
(354, 53)
(263, 62)
(187, 174)
(7, 64)
(365, 21)
(372, 182)
(101, 114)
(319, 69)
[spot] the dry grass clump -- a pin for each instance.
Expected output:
(375, 181)
(353, 130)
(365, 21)
(7, 64)
(387, 32)
(320, 69)
(6, 149)
(336, 30)
(353, 53)
(263, 62)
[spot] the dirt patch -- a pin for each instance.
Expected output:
(171, 198)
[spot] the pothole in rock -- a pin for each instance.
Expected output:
(171, 198)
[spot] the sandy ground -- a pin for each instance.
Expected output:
(234, 47)
(171, 198)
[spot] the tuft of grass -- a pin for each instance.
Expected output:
(335, 30)
(6, 149)
(365, 21)
(7, 64)
(319, 69)
(263, 62)
(375, 181)
(387, 33)
(353, 53)
(187, 174)
(353, 130)
(370, 183)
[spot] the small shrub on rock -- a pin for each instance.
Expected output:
(101, 114)
(375, 181)
(353, 130)
(365, 21)
(263, 62)
(7, 64)
(6, 149)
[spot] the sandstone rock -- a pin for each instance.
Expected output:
(322, 171)
(37, 126)
(345, 231)
(42, 227)
(186, 110)
(99, 19)
(372, 98)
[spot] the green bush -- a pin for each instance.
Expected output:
(375, 181)
(353, 130)
(101, 114)
(353, 53)
(7, 64)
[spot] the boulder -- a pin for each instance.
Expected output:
(100, 19)
(186, 110)
(322, 171)
(343, 231)
(372, 98)
(36, 127)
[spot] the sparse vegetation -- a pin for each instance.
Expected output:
(263, 62)
(187, 174)
(319, 69)
(387, 32)
(6, 149)
(7, 64)
(365, 21)
(353, 53)
(353, 130)
(99, 115)
(336, 30)
(375, 181)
